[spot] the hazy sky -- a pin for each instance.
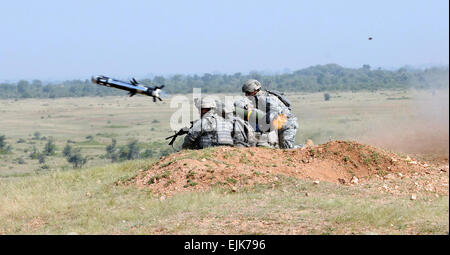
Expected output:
(52, 40)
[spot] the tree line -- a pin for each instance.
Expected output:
(318, 78)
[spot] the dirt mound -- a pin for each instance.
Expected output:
(341, 162)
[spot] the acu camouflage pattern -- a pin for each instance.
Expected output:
(243, 133)
(210, 130)
(272, 105)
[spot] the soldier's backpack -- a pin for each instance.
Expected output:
(281, 96)
(246, 132)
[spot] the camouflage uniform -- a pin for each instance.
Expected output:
(210, 130)
(269, 139)
(243, 134)
(273, 107)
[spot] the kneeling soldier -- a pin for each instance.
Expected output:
(276, 110)
(210, 130)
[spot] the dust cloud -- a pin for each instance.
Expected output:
(422, 128)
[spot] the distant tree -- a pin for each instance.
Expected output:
(76, 159)
(366, 67)
(133, 150)
(34, 154)
(36, 83)
(112, 147)
(129, 151)
(23, 89)
(50, 148)
(123, 153)
(159, 80)
(126, 152)
(67, 150)
(148, 153)
(41, 158)
(2, 142)
(330, 77)
(36, 135)
(4, 147)
(20, 161)
(111, 151)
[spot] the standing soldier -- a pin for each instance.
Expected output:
(277, 113)
(210, 130)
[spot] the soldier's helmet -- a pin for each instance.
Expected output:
(251, 85)
(208, 102)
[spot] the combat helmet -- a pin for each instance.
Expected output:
(208, 102)
(251, 85)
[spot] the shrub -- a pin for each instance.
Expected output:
(34, 154)
(50, 148)
(148, 153)
(4, 147)
(67, 150)
(76, 159)
(2, 142)
(36, 135)
(21, 161)
(126, 152)
(41, 158)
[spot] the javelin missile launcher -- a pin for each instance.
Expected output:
(133, 87)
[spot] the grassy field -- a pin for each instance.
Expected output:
(380, 118)
(89, 202)
(61, 200)
(74, 119)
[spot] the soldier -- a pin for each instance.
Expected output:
(243, 110)
(243, 133)
(210, 130)
(278, 116)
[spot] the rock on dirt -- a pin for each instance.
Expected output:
(354, 180)
(309, 143)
